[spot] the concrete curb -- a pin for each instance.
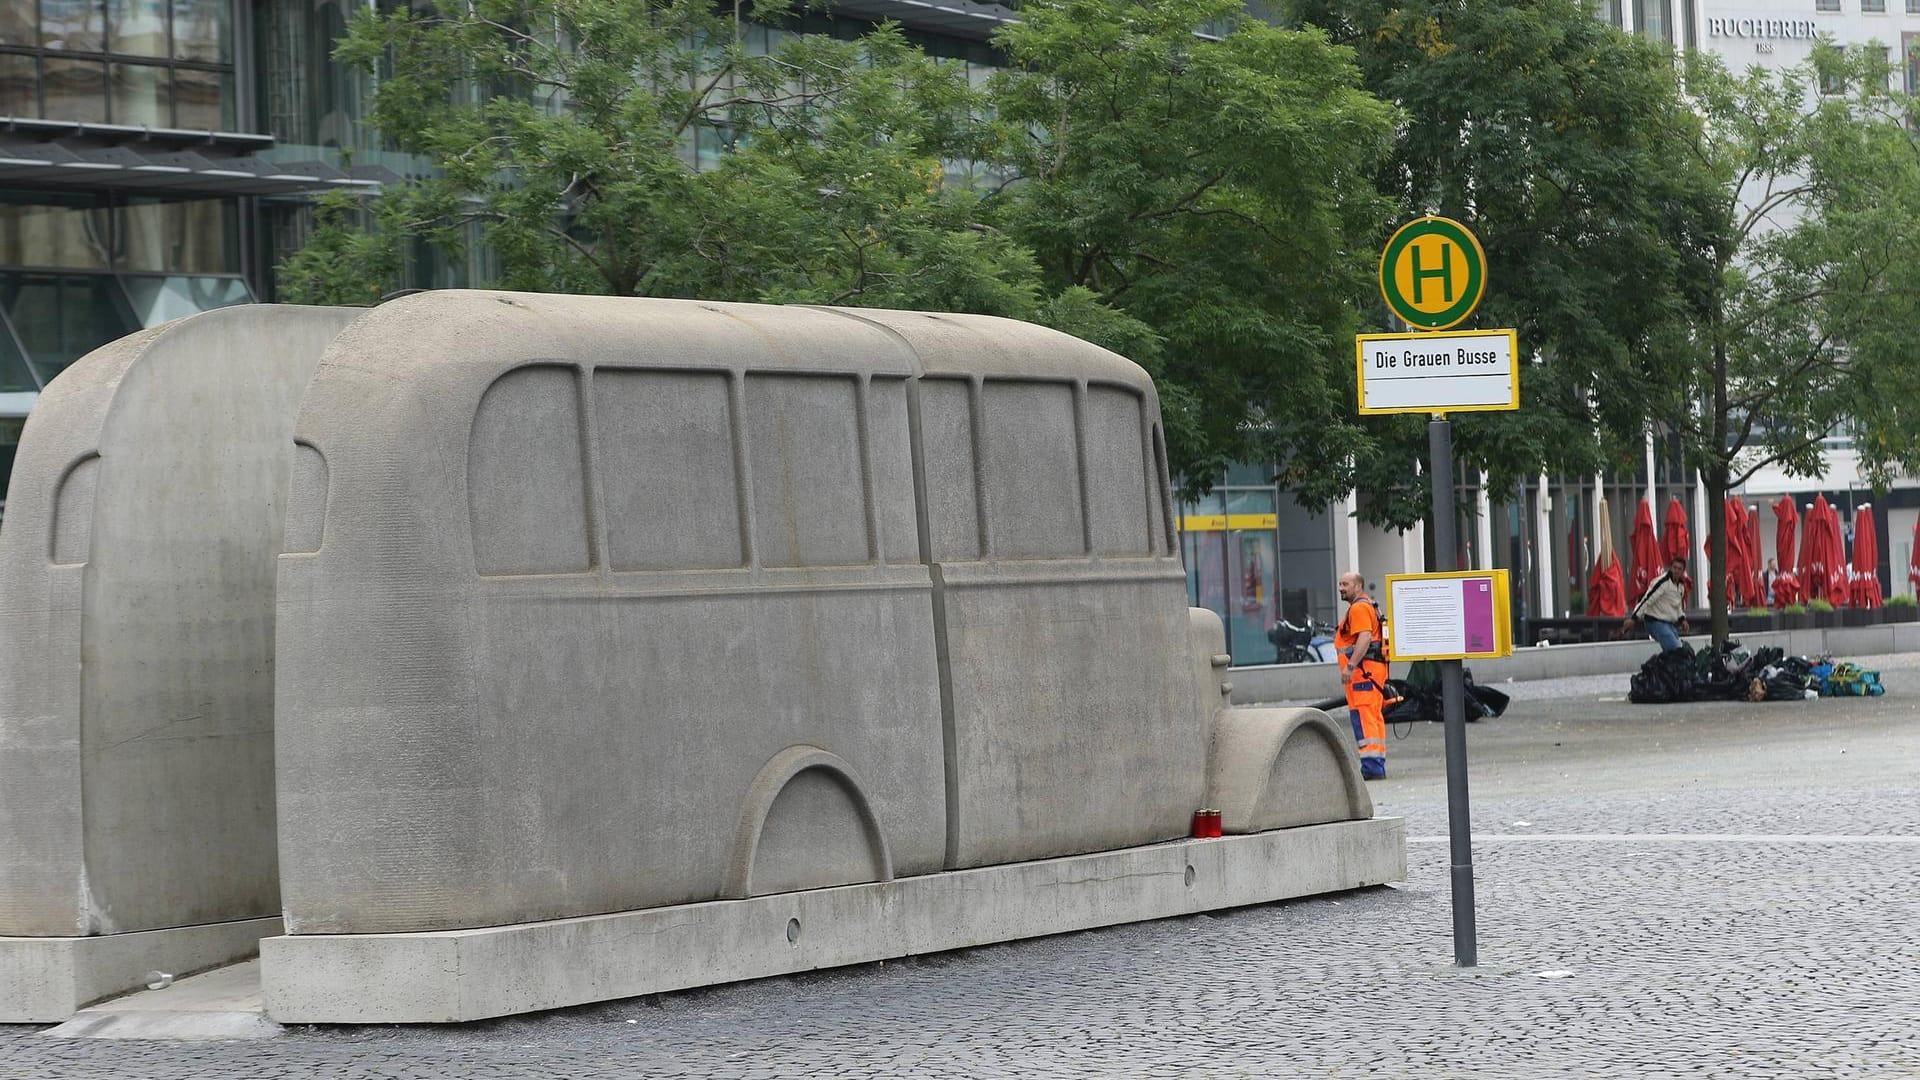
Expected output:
(461, 975)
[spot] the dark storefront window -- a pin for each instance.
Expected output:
(10, 428)
(61, 317)
(14, 376)
(141, 63)
(78, 271)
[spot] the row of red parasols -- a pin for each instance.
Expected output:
(1823, 572)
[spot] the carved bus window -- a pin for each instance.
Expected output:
(1032, 470)
(665, 461)
(946, 432)
(803, 438)
(891, 449)
(525, 475)
(1117, 473)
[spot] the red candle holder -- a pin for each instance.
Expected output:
(1206, 823)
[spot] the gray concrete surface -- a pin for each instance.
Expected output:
(1666, 891)
(1269, 770)
(595, 607)
(136, 638)
(1266, 683)
(572, 620)
(497, 971)
(214, 1005)
(49, 978)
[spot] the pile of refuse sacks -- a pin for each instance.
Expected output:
(1731, 673)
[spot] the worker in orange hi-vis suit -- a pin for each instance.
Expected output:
(1360, 642)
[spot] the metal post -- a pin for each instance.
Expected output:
(1453, 696)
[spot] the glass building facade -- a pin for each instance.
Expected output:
(135, 63)
(158, 157)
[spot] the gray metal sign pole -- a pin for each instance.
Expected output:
(1453, 696)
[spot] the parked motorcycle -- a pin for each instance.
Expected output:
(1308, 642)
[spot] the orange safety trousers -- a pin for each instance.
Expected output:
(1366, 702)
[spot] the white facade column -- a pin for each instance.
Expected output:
(1346, 537)
(1593, 527)
(1483, 527)
(1653, 494)
(1543, 547)
(1413, 550)
(1703, 568)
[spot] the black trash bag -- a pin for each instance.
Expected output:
(1420, 698)
(1414, 704)
(1491, 702)
(1725, 673)
(1786, 686)
(1671, 676)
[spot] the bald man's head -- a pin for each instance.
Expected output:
(1351, 585)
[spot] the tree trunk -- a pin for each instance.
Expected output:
(1719, 466)
(1715, 478)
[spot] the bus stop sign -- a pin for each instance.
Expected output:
(1432, 273)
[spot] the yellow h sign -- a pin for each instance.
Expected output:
(1432, 273)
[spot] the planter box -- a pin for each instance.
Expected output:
(1902, 613)
(1796, 621)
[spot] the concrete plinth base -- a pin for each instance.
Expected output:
(47, 980)
(496, 971)
(220, 1004)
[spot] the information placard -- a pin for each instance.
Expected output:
(1456, 616)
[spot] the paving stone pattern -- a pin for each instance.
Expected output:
(1783, 940)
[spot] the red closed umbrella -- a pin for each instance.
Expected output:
(1756, 585)
(1913, 560)
(1813, 564)
(1786, 586)
(1645, 551)
(1865, 579)
(1734, 572)
(1673, 533)
(1837, 569)
(1606, 592)
(1737, 557)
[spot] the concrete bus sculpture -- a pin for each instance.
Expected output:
(136, 656)
(627, 645)
(616, 646)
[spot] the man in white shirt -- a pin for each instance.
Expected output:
(1663, 608)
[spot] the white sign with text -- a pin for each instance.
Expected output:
(1470, 371)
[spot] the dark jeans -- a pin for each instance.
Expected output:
(1666, 633)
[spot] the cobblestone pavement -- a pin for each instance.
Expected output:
(1701, 890)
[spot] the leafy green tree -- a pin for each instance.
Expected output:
(561, 133)
(1217, 190)
(1553, 136)
(1803, 322)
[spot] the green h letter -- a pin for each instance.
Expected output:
(1444, 273)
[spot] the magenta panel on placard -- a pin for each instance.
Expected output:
(1477, 603)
